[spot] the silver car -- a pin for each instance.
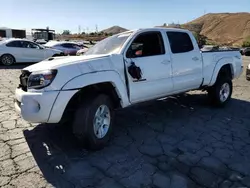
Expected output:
(69, 48)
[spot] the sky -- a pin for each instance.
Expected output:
(131, 14)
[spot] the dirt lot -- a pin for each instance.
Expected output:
(179, 142)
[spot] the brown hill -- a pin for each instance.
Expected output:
(223, 28)
(114, 30)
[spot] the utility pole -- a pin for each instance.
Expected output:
(79, 29)
(96, 28)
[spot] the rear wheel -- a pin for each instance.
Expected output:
(7, 59)
(220, 93)
(93, 122)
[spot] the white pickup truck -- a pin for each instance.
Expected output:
(120, 71)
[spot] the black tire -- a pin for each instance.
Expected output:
(83, 123)
(7, 59)
(214, 92)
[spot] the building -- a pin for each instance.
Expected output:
(45, 34)
(12, 33)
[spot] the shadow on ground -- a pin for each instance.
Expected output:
(16, 66)
(162, 142)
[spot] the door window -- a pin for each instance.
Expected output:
(69, 45)
(15, 44)
(180, 42)
(32, 45)
(146, 44)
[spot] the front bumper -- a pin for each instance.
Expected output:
(43, 107)
(34, 107)
(248, 74)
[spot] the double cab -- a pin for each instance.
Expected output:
(122, 70)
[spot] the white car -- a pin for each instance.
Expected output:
(24, 51)
(120, 71)
(82, 51)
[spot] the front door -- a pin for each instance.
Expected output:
(32, 52)
(148, 67)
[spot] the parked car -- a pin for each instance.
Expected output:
(248, 73)
(120, 71)
(23, 50)
(40, 41)
(82, 51)
(206, 48)
(69, 48)
(246, 51)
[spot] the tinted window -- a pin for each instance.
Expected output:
(69, 45)
(16, 44)
(26, 44)
(180, 42)
(147, 44)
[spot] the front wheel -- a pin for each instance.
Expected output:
(93, 122)
(220, 94)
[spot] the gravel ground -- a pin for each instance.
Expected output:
(178, 142)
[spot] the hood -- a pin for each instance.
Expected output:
(57, 62)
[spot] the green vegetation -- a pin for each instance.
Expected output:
(66, 32)
(201, 39)
(246, 43)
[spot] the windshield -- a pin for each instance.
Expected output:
(108, 45)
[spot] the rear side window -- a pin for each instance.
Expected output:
(16, 44)
(69, 45)
(180, 42)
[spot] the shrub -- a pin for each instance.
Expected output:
(246, 43)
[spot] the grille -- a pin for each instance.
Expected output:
(24, 79)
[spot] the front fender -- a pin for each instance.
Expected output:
(219, 64)
(100, 77)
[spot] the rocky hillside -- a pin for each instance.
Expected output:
(114, 30)
(223, 28)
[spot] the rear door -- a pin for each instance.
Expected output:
(70, 48)
(186, 61)
(148, 67)
(15, 48)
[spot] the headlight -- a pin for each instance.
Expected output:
(39, 80)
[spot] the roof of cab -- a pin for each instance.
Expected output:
(155, 29)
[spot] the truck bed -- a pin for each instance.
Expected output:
(211, 58)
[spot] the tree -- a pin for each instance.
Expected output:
(246, 43)
(66, 32)
(83, 33)
(201, 39)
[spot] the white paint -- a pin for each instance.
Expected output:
(165, 75)
(26, 55)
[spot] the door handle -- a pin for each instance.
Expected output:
(166, 62)
(195, 58)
